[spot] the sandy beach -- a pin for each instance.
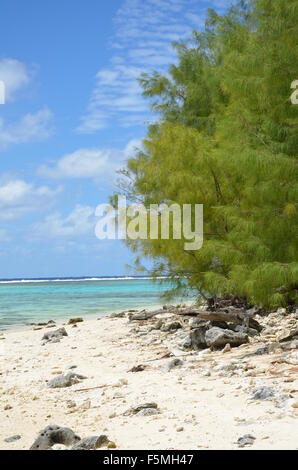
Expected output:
(202, 402)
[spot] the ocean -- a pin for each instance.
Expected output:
(37, 300)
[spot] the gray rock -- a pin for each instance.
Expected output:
(54, 336)
(186, 342)
(148, 412)
(247, 440)
(263, 393)
(158, 325)
(136, 409)
(198, 337)
(17, 437)
(288, 337)
(52, 435)
(91, 443)
(117, 315)
(62, 381)
(171, 326)
(173, 363)
(217, 337)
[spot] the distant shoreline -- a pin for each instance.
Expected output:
(78, 279)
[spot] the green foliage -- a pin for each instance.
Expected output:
(227, 137)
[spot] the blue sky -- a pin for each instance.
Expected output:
(72, 115)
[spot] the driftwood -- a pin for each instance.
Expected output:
(145, 315)
(229, 316)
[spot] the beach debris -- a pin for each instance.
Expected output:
(67, 380)
(74, 321)
(247, 440)
(217, 337)
(91, 443)
(7, 407)
(140, 409)
(15, 438)
(52, 435)
(54, 336)
(263, 393)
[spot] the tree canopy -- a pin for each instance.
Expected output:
(226, 137)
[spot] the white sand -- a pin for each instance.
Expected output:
(213, 411)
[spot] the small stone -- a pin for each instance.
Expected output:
(227, 348)
(52, 435)
(67, 380)
(91, 443)
(148, 412)
(246, 440)
(180, 429)
(54, 336)
(295, 404)
(73, 321)
(111, 445)
(136, 409)
(173, 363)
(263, 393)
(171, 326)
(7, 407)
(17, 437)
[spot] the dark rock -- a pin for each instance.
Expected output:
(263, 393)
(217, 337)
(54, 435)
(247, 440)
(62, 381)
(91, 443)
(54, 336)
(262, 351)
(74, 321)
(136, 409)
(17, 437)
(139, 368)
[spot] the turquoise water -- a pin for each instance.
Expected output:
(25, 302)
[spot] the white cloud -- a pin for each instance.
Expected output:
(32, 126)
(97, 164)
(80, 222)
(15, 76)
(144, 31)
(83, 163)
(17, 198)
